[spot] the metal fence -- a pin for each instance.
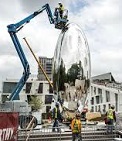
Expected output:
(30, 130)
(45, 133)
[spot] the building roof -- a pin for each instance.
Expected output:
(104, 77)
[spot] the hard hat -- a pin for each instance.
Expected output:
(112, 106)
(56, 104)
(60, 3)
(78, 115)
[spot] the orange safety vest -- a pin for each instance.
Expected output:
(76, 125)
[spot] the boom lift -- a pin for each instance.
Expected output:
(14, 104)
(60, 23)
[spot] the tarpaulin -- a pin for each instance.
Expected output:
(8, 126)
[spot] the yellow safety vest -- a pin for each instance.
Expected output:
(110, 114)
(56, 112)
(76, 127)
(61, 8)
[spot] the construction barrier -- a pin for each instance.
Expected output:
(24, 121)
(8, 126)
(89, 132)
(46, 134)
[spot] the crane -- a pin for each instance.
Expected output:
(60, 23)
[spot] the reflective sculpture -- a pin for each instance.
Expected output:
(71, 69)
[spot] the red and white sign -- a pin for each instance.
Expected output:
(8, 126)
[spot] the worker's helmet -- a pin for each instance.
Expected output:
(78, 115)
(112, 106)
(57, 104)
(60, 3)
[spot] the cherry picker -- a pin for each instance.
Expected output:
(60, 23)
(13, 103)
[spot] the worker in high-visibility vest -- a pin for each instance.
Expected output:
(76, 127)
(56, 116)
(61, 9)
(111, 117)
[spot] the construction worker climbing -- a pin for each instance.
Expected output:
(76, 128)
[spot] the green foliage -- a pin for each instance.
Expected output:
(35, 103)
(73, 72)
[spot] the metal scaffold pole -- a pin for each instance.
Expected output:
(40, 66)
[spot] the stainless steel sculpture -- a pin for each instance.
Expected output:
(71, 69)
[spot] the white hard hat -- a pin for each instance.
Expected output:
(112, 106)
(56, 104)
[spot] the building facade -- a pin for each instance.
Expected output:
(102, 94)
(33, 87)
(47, 66)
(105, 91)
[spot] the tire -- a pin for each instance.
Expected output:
(25, 120)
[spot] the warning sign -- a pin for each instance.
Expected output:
(8, 126)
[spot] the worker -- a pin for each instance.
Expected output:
(61, 9)
(56, 117)
(83, 113)
(76, 127)
(111, 117)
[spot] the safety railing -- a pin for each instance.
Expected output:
(43, 134)
(89, 132)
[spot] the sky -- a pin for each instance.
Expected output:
(101, 21)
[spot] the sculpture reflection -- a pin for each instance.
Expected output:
(71, 70)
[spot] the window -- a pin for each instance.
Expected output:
(97, 100)
(95, 90)
(107, 96)
(48, 99)
(101, 98)
(92, 101)
(28, 98)
(104, 108)
(99, 91)
(40, 89)
(116, 102)
(91, 90)
(92, 109)
(28, 87)
(8, 87)
(95, 108)
(50, 89)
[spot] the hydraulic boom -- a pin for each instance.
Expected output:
(14, 28)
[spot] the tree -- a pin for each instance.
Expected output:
(35, 103)
(73, 73)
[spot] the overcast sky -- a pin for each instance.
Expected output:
(101, 21)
